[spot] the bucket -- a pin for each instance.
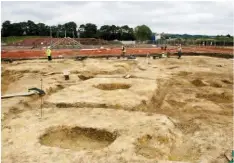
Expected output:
(66, 74)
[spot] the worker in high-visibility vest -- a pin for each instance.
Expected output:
(179, 51)
(48, 53)
(123, 51)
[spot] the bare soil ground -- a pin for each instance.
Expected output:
(15, 53)
(167, 111)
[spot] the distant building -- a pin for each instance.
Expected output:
(157, 36)
(128, 42)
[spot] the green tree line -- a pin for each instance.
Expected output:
(70, 29)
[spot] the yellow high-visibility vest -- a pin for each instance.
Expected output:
(48, 52)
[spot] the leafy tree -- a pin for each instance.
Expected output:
(127, 33)
(42, 29)
(143, 33)
(32, 28)
(71, 29)
(6, 28)
(115, 32)
(54, 30)
(104, 32)
(24, 28)
(16, 29)
(60, 31)
(90, 30)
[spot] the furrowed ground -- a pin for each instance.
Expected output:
(170, 111)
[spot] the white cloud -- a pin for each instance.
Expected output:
(175, 17)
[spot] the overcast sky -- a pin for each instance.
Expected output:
(202, 17)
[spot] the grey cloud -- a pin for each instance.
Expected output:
(198, 17)
(34, 13)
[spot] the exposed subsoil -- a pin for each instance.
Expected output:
(77, 138)
(173, 111)
(112, 86)
(30, 53)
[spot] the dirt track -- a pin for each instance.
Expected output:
(117, 51)
(170, 111)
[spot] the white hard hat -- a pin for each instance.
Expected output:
(48, 47)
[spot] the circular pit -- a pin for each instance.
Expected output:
(77, 138)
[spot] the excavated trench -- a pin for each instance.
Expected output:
(152, 146)
(164, 147)
(112, 86)
(76, 138)
(9, 77)
(149, 146)
(189, 121)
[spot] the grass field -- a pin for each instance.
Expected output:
(11, 39)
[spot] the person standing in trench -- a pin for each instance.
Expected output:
(179, 51)
(123, 51)
(48, 53)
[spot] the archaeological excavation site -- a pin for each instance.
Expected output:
(110, 109)
(117, 81)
